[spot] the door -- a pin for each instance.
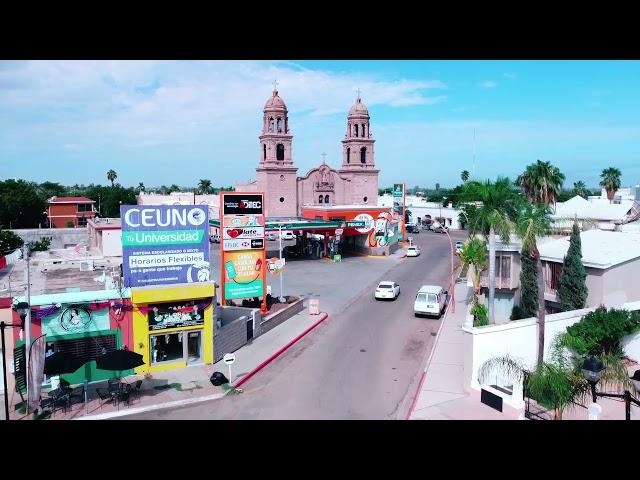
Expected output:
(194, 347)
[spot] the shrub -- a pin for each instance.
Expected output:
(41, 245)
(70, 224)
(572, 287)
(480, 315)
(517, 313)
(600, 332)
(9, 242)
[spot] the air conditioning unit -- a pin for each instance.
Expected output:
(86, 266)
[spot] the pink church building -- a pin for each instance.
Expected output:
(354, 183)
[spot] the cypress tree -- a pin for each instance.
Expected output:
(572, 288)
(528, 286)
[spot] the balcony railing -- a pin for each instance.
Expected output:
(501, 282)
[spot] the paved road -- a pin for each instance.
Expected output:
(361, 364)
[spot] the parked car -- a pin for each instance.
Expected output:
(459, 246)
(387, 290)
(413, 228)
(271, 236)
(440, 229)
(430, 300)
(413, 251)
(288, 235)
(214, 238)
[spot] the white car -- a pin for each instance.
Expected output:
(458, 247)
(271, 236)
(430, 300)
(288, 236)
(413, 251)
(387, 290)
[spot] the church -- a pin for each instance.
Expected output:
(355, 183)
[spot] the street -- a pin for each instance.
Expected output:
(361, 364)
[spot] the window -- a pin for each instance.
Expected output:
(167, 347)
(85, 207)
(365, 199)
(264, 151)
(348, 155)
(82, 222)
(271, 125)
(326, 199)
(431, 298)
(422, 297)
(281, 199)
(355, 126)
(363, 134)
(280, 152)
(90, 348)
(554, 274)
(503, 267)
(279, 125)
(363, 155)
(319, 198)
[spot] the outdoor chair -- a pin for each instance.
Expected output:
(125, 393)
(135, 389)
(59, 399)
(104, 396)
(77, 395)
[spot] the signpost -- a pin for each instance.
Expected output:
(399, 205)
(229, 358)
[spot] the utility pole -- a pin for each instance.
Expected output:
(282, 299)
(27, 329)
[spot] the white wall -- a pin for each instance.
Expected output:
(112, 243)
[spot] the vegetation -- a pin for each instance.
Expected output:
(464, 176)
(407, 216)
(610, 181)
(141, 187)
(9, 242)
(516, 313)
(204, 186)
(41, 245)
(70, 224)
(480, 317)
(474, 254)
(528, 288)
(111, 176)
(496, 214)
(579, 188)
(572, 287)
(541, 182)
(20, 204)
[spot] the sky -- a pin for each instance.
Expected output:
(165, 122)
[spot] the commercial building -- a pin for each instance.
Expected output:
(64, 212)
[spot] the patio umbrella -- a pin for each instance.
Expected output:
(119, 360)
(61, 362)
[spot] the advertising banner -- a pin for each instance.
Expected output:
(242, 232)
(164, 244)
(235, 221)
(243, 274)
(398, 199)
(242, 244)
(242, 204)
(35, 372)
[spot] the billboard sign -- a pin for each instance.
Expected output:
(231, 245)
(398, 199)
(164, 244)
(242, 220)
(243, 232)
(243, 274)
(242, 204)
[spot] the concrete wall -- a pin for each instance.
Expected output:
(230, 329)
(276, 319)
(620, 283)
(61, 237)
(112, 243)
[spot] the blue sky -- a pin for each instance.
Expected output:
(164, 122)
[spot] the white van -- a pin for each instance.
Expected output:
(430, 300)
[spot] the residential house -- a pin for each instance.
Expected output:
(65, 211)
(422, 211)
(595, 212)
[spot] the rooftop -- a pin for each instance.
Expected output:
(70, 200)
(600, 249)
(344, 207)
(105, 223)
(596, 208)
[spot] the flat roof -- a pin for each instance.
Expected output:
(600, 249)
(105, 223)
(70, 200)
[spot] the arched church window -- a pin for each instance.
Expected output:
(363, 155)
(271, 125)
(355, 126)
(348, 155)
(363, 134)
(286, 124)
(326, 199)
(280, 152)
(264, 151)
(279, 125)
(319, 198)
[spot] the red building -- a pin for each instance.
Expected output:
(76, 210)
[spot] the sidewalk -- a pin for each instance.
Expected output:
(441, 393)
(191, 385)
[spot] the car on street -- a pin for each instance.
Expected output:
(214, 238)
(413, 228)
(459, 246)
(387, 290)
(431, 300)
(271, 236)
(288, 235)
(440, 229)
(413, 251)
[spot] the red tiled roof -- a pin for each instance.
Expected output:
(71, 200)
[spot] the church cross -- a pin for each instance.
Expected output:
(358, 92)
(275, 85)
(323, 157)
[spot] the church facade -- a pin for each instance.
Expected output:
(354, 183)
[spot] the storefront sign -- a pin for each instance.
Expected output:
(242, 244)
(243, 232)
(243, 274)
(241, 204)
(75, 319)
(367, 220)
(398, 199)
(235, 221)
(162, 317)
(275, 265)
(164, 244)
(356, 224)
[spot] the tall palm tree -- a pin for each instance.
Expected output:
(174, 188)
(580, 188)
(474, 257)
(610, 181)
(498, 209)
(464, 176)
(141, 187)
(111, 176)
(541, 182)
(534, 221)
(204, 186)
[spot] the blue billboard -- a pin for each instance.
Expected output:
(164, 244)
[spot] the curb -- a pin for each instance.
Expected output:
(424, 373)
(279, 352)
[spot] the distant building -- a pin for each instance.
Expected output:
(596, 212)
(77, 210)
(426, 212)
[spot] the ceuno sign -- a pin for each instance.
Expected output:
(155, 217)
(242, 204)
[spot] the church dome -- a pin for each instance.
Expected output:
(359, 108)
(275, 102)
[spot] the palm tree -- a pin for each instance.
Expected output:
(474, 256)
(111, 176)
(580, 188)
(534, 221)
(437, 187)
(499, 205)
(541, 182)
(204, 186)
(610, 181)
(141, 187)
(174, 188)
(464, 176)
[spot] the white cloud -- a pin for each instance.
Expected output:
(489, 84)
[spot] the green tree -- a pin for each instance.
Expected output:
(579, 188)
(474, 258)
(610, 181)
(533, 222)
(174, 188)
(541, 182)
(20, 204)
(464, 176)
(572, 288)
(141, 187)
(46, 190)
(9, 242)
(528, 307)
(204, 186)
(437, 187)
(497, 211)
(164, 190)
(407, 216)
(111, 176)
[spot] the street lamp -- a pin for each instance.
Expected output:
(22, 308)
(592, 369)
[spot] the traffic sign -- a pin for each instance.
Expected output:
(229, 358)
